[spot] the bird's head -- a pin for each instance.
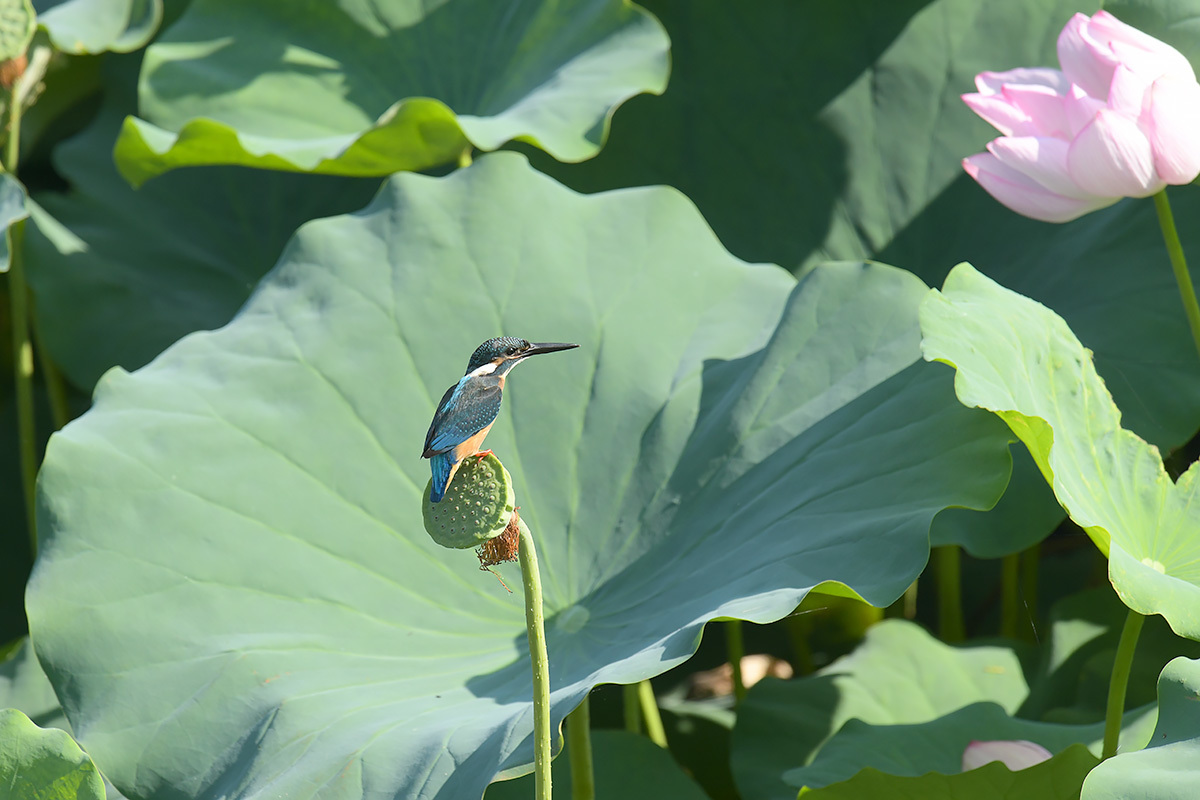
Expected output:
(499, 355)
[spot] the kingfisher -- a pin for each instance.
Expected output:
(469, 407)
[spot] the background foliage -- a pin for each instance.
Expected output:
(233, 595)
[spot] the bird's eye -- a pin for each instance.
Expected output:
(512, 351)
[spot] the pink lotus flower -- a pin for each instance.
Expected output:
(1121, 119)
(1015, 754)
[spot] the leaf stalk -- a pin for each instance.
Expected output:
(535, 627)
(1119, 681)
(1183, 278)
(579, 750)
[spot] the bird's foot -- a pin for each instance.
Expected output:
(482, 454)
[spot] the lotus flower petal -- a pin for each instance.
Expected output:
(1025, 195)
(1042, 159)
(1172, 121)
(1112, 157)
(1088, 63)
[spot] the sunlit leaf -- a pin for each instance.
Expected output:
(405, 85)
(1019, 359)
(40, 764)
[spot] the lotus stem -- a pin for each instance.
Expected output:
(1010, 594)
(1029, 588)
(1187, 292)
(579, 750)
(56, 389)
(949, 580)
(654, 724)
(535, 627)
(18, 298)
(1119, 681)
(735, 644)
(633, 714)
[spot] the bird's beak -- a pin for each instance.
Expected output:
(537, 348)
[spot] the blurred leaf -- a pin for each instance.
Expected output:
(698, 735)
(839, 135)
(1169, 767)
(120, 274)
(37, 764)
(938, 745)
(24, 686)
(1056, 779)
(13, 208)
(899, 674)
(627, 767)
(1018, 358)
(94, 26)
(407, 85)
(1070, 683)
(235, 528)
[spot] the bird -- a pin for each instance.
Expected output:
(469, 407)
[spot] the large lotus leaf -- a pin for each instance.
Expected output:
(38, 764)
(840, 136)
(1058, 778)
(938, 745)
(120, 274)
(1018, 358)
(1169, 767)
(627, 766)
(899, 674)
(323, 87)
(234, 530)
(94, 26)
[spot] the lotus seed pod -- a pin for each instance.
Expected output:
(478, 504)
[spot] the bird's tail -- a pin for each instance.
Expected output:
(442, 465)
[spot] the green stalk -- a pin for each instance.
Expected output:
(535, 627)
(18, 298)
(633, 714)
(1029, 587)
(579, 750)
(1187, 292)
(949, 581)
(1010, 594)
(1119, 681)
(56, 389)
(654, 725)
(735, 645)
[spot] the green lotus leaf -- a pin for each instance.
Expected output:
(938, 745)
(1058, 778)
(40, 764)
(840, 137)
(1169, 767)
(120, 274)
(96, 26)
(1019, 359)
(898, 675)
(627, 767)
(235, 529)
(408, 85)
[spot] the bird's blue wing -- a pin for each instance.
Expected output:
(467, 408)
